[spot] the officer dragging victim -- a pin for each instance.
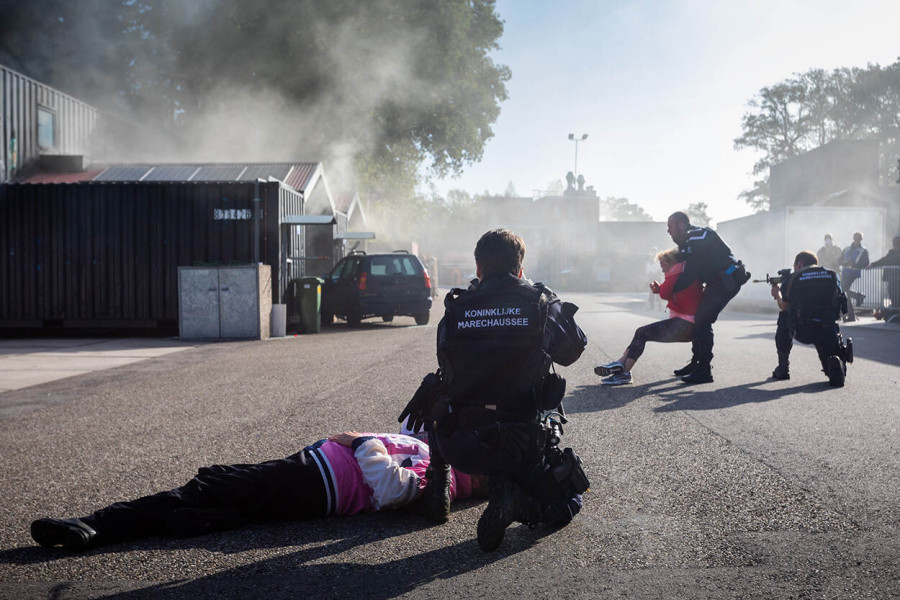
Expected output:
(709, 260)
(493, 407)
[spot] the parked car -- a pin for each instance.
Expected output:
(377, 285)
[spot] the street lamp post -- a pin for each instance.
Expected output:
(576, 140)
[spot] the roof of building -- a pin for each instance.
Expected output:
(296, 175)
(76, 177)
(343, 201)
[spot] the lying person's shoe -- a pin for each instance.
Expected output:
(617, 379)
(71, 534)
(686, 369)
(609, 369)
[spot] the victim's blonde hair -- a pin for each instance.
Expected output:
(671, 256)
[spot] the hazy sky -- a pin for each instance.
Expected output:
(660, 88)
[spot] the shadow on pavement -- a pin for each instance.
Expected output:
(680, 396)
(685, 397)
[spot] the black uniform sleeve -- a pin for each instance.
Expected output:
(786, 288)
(705, 256)
(566, 339)
(687, 276)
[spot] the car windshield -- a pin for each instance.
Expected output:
(393, 265)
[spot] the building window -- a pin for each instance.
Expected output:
(46, 128)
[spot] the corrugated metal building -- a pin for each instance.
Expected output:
(37, 120)
(105, 252)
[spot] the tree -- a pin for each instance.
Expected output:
(817, 107)
(620, 209)
(384, 87)
(554, 188)
(697, 213)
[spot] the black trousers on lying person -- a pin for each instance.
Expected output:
(668, 330)
(291, 488)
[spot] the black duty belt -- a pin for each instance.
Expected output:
(472, 415)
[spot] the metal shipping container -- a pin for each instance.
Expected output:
(100, 254)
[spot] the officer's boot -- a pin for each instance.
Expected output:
(686, 369)
(701, 374)
(507, 502)
(781, 371)
(436, 495)
(836, 370)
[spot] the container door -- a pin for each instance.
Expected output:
(239, 302)
(198, 306)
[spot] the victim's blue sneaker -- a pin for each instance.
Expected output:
(617, 379)
(609, 369)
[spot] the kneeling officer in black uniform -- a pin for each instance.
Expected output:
(811, 303)
(484, 407)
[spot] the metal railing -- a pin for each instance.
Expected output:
(880, 287)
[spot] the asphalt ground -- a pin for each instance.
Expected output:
(27, 362)
(743, 488)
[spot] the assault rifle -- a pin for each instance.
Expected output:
(782, 275)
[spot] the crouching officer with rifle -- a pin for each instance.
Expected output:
(811, 302)
(486, 409)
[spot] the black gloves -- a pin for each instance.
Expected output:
(419, 408)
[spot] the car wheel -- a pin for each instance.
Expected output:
(387, 318)
(422, 318)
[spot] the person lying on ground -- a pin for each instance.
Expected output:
(679, 327)
(347, 473)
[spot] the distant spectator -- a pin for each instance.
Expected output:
(829, 255)
(854, 259)
(891, 274)
(651, 270)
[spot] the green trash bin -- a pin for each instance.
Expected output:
(309, 291)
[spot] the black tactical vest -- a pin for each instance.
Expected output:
(491, 349)
(815, 296)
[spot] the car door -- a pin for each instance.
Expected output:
(340, 289)
(381, 293)
(411, 280)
